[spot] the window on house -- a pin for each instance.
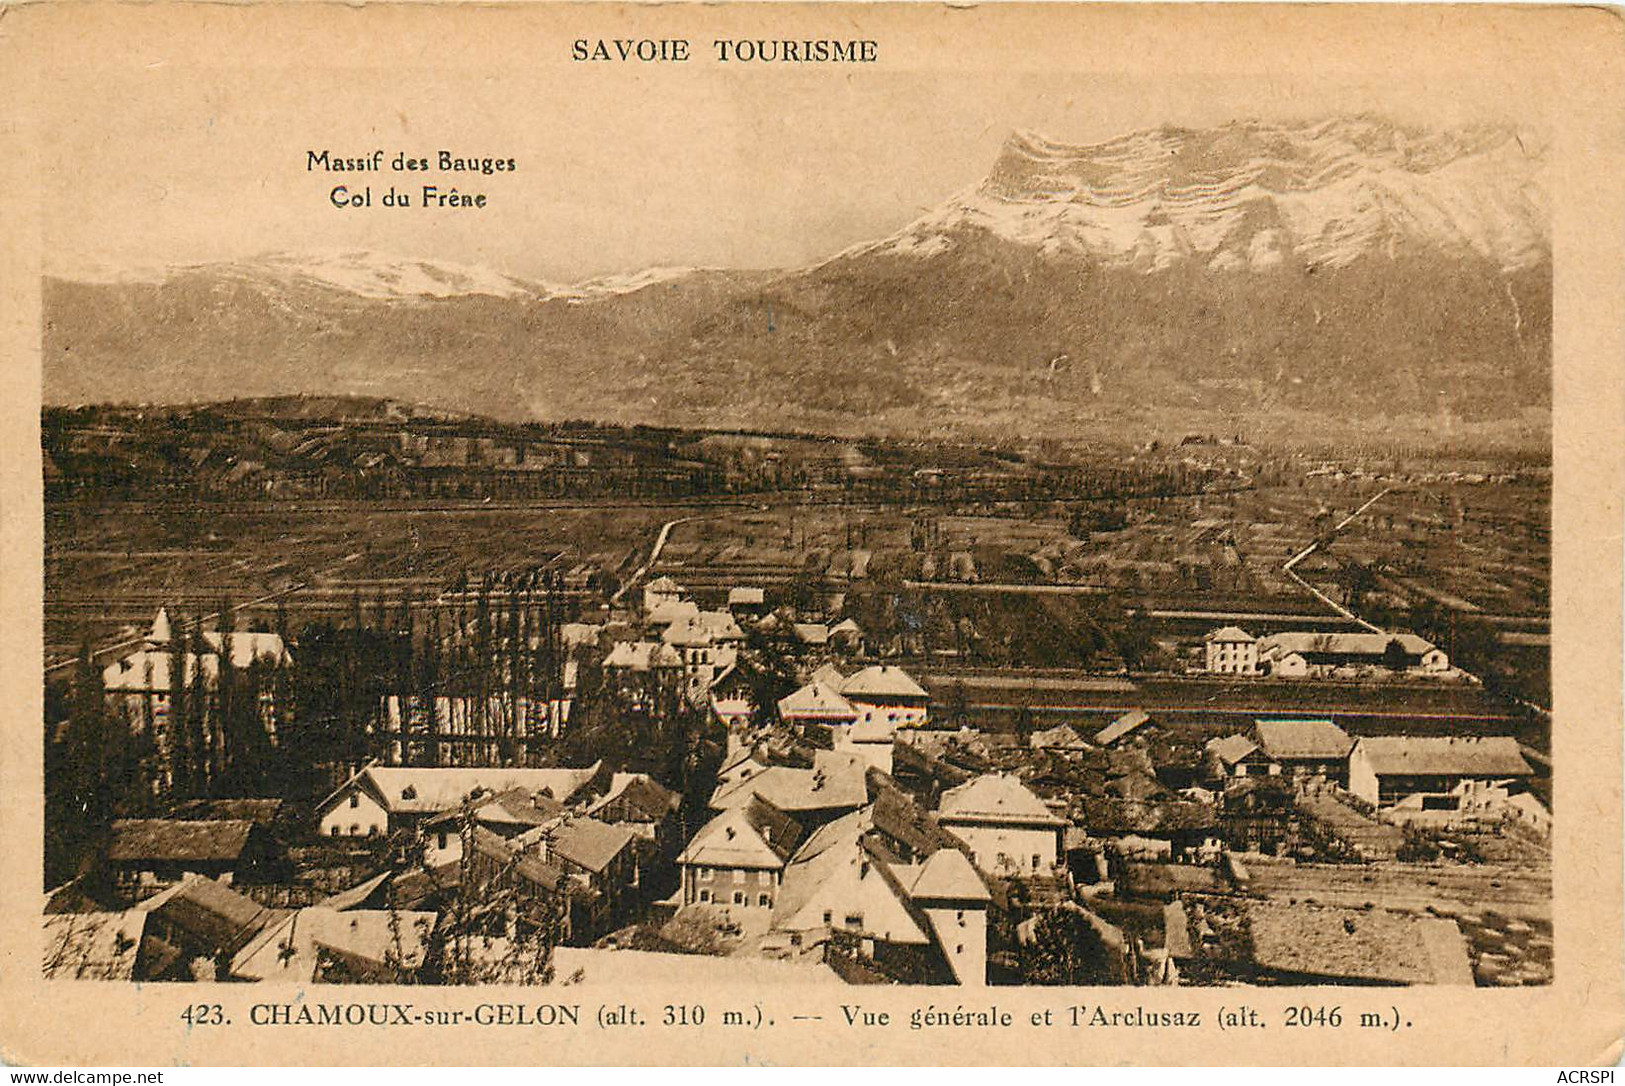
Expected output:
(854, 920)
(705, 895)
(960, 916)
(440, 841)
(828, 917)
(355, 829)
(335, 829)
(355, 801)
(959, 948)
(761, 899)
(372, 830)
(739, 875)
(739, 897)
(1035, 861)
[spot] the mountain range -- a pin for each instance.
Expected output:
(1349, 276)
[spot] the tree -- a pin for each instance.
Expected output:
(1065, 948)
(496, 927)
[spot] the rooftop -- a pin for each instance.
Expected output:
(882, 681)
(947, 875)
(817, 700)
(430, 790)
(1124, 725)
(995, 797)
(1367, 945)
(836, 780)
(163, 839)
(1303, 739)
(1342, 644)
(1443, 756)
(753, 835)
(589, 843)
(1232, 748)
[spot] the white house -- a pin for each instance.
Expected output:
(142, 684)
(887, 694)
(380, 799)
(1008, 829)
(737, 859)
(845, 879)
(661, 590)
(1231, 651)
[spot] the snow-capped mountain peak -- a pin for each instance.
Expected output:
(1249, 195)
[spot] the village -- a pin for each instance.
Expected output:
(515, 782)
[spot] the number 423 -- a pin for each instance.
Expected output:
(203, 1014)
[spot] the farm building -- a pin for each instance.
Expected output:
(1432, 772)
(147, 855)
(1305, 750)
(1304, 652)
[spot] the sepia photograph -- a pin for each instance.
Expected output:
(804, 519)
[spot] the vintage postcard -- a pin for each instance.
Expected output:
(811, 533)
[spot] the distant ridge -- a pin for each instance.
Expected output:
(1343, 276)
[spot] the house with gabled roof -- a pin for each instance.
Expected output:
(195, 927)
(1435, 772)
(381, 799)
(737, 859)
(816, 703)
(1294, 653)
(1305, 749)
(894, 890)
(1235, 756)
(661, 590)
(1008, 829)
(834, 784)
(147, 855)
(141, 683)
(888, 693)
(310, 944)
(1065, 737)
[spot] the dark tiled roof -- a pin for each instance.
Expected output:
(1117, 816)
(1314, 739)
(261, 812)
(782, 833)
(648, 799)
(897, 817)
(590, 843)
(163, 839)
(212, 913)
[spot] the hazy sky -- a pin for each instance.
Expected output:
(177, 153)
